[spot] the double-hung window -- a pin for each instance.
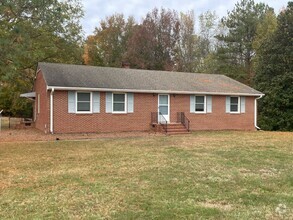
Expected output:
(83, 102)
(200, 104)
(234, 104)
(119, 102)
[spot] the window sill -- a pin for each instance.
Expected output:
(83, 113)
(119, 113)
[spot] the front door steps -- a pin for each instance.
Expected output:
(172, 128)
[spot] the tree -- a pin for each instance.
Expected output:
(109, 43)
(236, 53)
(152, 43)
(163, 41)
(208, 31)
(186, 59)
(92, 55)
(140, 49)
(275, 75)
(264, 31)
(33, 31)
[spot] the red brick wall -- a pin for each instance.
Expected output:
(218, 119)
(42, 118)
(66, 122)
(144, 104)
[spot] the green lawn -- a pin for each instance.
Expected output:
(206, 175)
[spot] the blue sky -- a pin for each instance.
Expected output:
(95, 10)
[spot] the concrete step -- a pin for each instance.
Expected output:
(176, 129)
(178, 132)
(177, 126)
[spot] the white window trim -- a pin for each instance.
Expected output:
(91, 105)
(204, 107)
(238, 110)
(125, 103)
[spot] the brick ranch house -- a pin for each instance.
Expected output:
(77, 98)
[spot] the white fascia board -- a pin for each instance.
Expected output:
(149, 91)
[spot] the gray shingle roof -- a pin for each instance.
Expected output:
(107, 78)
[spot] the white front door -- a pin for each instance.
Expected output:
(164, 108)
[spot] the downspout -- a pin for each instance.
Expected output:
(255, 112)
(51, 111)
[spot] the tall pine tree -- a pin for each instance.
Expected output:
(235, 54)
(275, 75)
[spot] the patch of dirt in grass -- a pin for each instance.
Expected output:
(267, 173)
(4, 185)
(263, 173)
(32, 134)
(222, 205)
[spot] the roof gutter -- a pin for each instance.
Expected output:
(148, 91)
(255, 111)
(51, 111)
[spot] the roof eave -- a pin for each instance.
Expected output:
(150, 91)
(29, 95)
